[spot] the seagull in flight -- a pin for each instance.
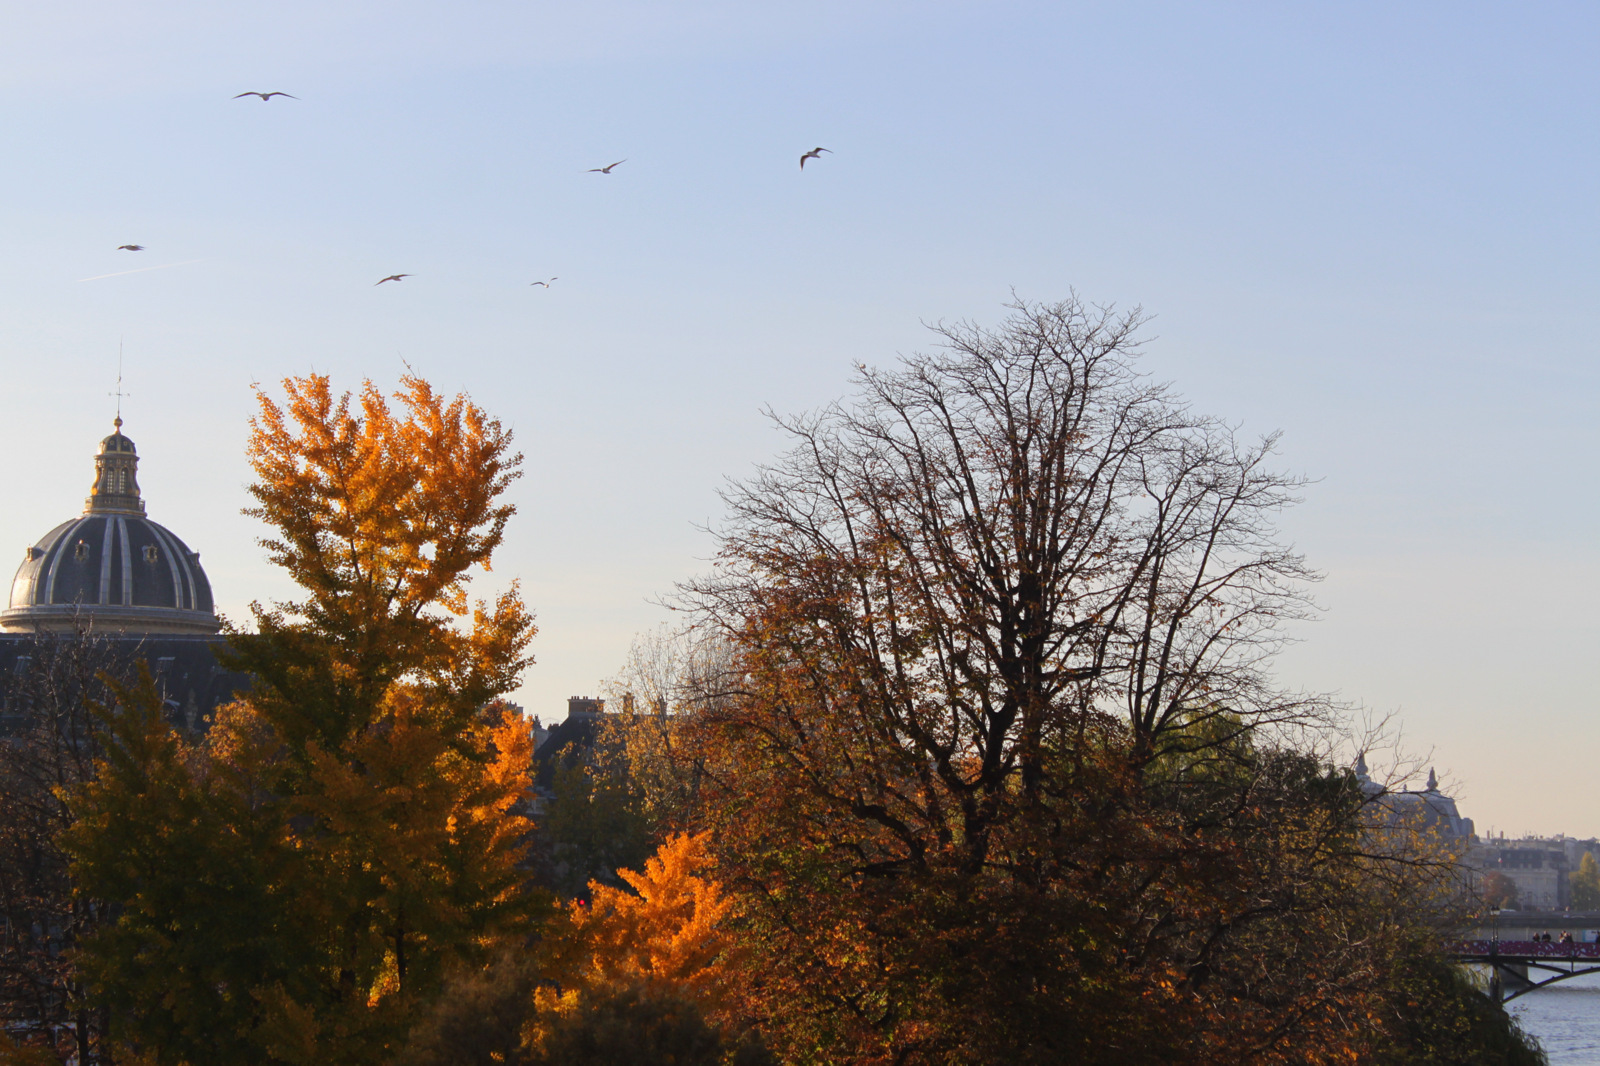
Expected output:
(815, 153)
(546, 284)
(391, 277)
(130, 247)
(265, 96)
(606, 170)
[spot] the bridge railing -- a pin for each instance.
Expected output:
(1528, 949)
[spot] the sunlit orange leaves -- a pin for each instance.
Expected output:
(397, 505)
(668, 934)
(380, 511)
(365, 789)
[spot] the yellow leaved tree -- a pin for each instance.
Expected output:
(295, 886)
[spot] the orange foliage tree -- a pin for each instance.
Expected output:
(666, 934)
(361, 796)
(642, 976)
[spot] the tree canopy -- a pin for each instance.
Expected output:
(294, 884)
(1585, 884)
(971, 752)
(998, 770)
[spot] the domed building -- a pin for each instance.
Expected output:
(113, 576)
(1427, 809)
(111, 569)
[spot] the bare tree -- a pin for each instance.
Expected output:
(1013, 538)
(56, 680)
(672, 675)
(1001, 727)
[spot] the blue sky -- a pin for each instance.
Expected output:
(1370, 225)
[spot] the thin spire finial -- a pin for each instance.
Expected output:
(119, 394)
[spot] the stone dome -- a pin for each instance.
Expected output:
(111, 567)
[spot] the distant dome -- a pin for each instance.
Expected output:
(112, 567)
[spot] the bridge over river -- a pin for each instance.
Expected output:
(1517, 967)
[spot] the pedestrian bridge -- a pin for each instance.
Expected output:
(1517, 967)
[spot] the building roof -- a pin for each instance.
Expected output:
(569, 741)
(1428, 808)
(111, 569)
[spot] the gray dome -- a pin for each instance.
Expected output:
(112, 567)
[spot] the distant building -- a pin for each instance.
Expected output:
(567, 741)
(1538, 866)
(1576, 849)
(1427, 808)
(113, 574)
(111, 565)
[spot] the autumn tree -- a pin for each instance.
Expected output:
(642, 1027)
(199, 928)
(630, 787)
(355, 813)
(665, 934)
(1499, 890)
(998, 769)
(1432, 1012)
(671, 676)
(1585, 882)
(640, 976)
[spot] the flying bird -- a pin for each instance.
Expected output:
(265, 96)
(606, 170)
(546, 284)
(130, 247)
(815, 153)
(391, 277)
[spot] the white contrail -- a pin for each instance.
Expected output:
(140, 270)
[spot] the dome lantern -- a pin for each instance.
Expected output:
(116, 482)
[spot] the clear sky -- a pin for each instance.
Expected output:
(1372, 225)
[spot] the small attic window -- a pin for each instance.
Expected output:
(81, 551)
(151, 553)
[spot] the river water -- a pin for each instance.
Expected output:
(1566, 1019)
